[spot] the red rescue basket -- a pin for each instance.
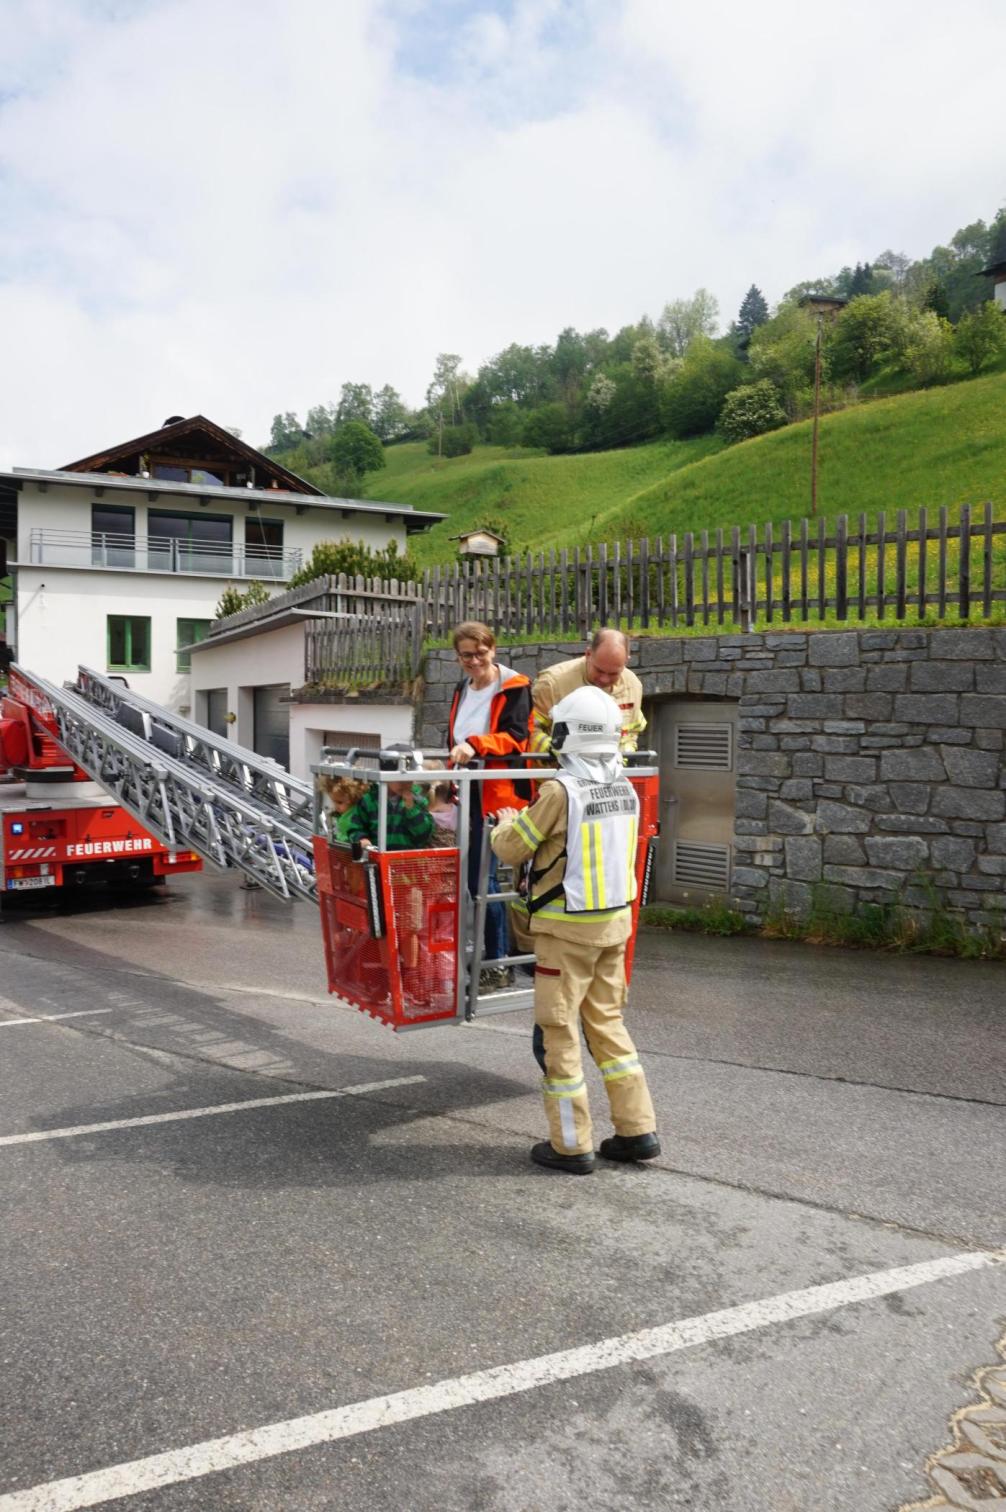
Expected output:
(402, 937)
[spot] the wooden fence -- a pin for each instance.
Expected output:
(786, 574)
(364, 650)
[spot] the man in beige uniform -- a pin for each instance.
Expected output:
(580, 835)
(604, 666)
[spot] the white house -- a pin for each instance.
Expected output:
(118, 560)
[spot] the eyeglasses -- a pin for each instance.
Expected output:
(478, 655)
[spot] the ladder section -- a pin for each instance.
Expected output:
(182, 802)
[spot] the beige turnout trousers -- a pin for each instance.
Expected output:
(578, 982)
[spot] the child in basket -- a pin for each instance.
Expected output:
(445, 813)
(341, 795)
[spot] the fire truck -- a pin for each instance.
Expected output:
(402, 936)
(58, 827)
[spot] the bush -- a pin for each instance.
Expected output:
(329, 558)
(929, 351)
(548, 427)
(751, 410)
(453, 440)
(232, 600)
(981, 335)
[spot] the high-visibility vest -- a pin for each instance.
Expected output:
(601, 830)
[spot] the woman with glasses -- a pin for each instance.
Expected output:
(490, 721)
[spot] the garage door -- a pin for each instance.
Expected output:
(272, 722)
(216, 711)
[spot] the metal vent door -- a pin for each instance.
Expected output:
(272, 722)
(697, 739)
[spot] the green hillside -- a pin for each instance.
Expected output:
(932, 447)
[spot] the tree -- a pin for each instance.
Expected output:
(782, 350)
(329, 558)
(600, 394)
(935, 299)
(355, 451)
(647, 360)
(233, 599)
(285, 431)
(444, 391)
(356, 403)
(862, 334)
(391, 418)
(751, 410)
(692, 399)
(929, 351)
(753, 313)
(453, 440)
(981, 335)
(320, 421)
(685, 320)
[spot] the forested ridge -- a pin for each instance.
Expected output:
(904, 324)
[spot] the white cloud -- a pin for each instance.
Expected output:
(235, 208)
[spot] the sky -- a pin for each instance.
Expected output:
(235, 206)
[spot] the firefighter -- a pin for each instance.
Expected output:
(580, 838)
(604, 666)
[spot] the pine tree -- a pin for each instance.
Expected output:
(753, 313)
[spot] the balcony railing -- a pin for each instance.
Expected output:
(105, 549)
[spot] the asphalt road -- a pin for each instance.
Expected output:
(171, 1280)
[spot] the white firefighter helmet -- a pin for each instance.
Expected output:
(587, 722)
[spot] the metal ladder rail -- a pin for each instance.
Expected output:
(246, 774)
(506, 1000)
(183, 806)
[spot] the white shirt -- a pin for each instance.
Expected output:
(472, 717)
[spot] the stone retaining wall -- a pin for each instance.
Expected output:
(868, 760)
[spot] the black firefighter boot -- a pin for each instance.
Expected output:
(630, 1147)
(574, 1165)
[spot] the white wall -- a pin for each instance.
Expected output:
(309, 723)
(258, 661)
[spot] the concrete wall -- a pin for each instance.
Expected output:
(311, 722)
(865, 757)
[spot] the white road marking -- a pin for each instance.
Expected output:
(235, 1107)
(46, 1018)
(214, 1455)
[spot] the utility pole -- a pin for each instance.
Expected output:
(817, 416)
(440, 435)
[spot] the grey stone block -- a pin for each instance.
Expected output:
(956, 854)
(784, 819)
(810, 680)
(878, 640)
(844, 679)
(967, 827)
(989, 740)
(996, 837)
(844, 727)
(839, 818)
(794, 897)
(816, 706)
(791, 659)
(764, 743)
(947, 735)
(797, 789)
(844, 745)
(750, 876)
(900, 852)
(785, 641)
(911, 824)
(659, 651)
(844, 850)
(990, 679)
(929, 708)
(875, 796)
(988, 709)
(829, 790)
(850, 768)
(921, 765)
(750, 805)
(833, 650)
(803, 858)
(699, 650)
(863, 876)
(775, 680)
(761, 843)
(750, 827)
(759, 709)
(887, 678)
(807, 764)
(764, 763)
(910, 797)
(992, 865)
(913, 640)
(968, 803)
(971, 768)
(794, 743)
(942, 677)
(869, 705)
(961, 645)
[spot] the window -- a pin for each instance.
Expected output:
(128, 643)
(190, 543)
(113, 536)
(264, 546)
(190, 633)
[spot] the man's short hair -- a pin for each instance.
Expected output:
(600, 636)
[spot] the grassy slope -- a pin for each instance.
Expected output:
(943, 446)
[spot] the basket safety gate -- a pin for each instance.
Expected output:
(403, 938)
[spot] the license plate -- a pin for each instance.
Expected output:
(20, 883)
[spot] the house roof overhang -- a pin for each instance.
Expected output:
(103, 484)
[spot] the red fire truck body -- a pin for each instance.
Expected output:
(57, 828)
